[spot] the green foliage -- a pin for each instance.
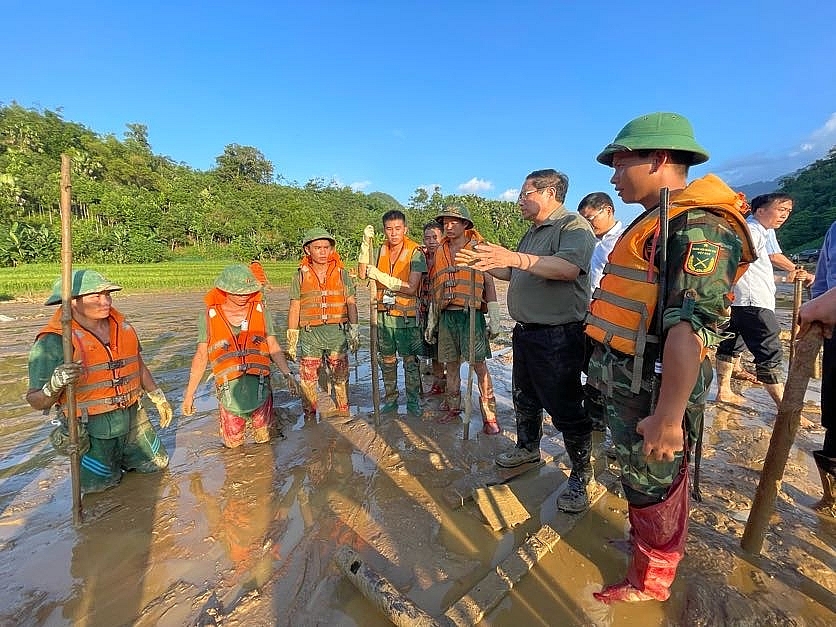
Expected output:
(132, 206)
(814, 193)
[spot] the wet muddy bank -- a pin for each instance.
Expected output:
(248, 536)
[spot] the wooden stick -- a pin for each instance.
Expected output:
(397, 608)
(373, 342)
(471, 355)
(67, 330)
(783, 434)
(798, 284)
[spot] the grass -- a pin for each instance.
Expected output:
(35, 281)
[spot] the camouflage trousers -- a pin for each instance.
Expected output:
(645, 482)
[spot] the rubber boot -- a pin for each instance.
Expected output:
(390, 387)
(412, 381)
(575, 498)
(308, 380)
(338, 366)
(827, 469)
(658, 535)
(489, 424)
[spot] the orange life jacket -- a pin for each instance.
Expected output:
(112, 378)
(404, 305)
(451, 284)
(322, 303)
(623, 307)
(234, 355)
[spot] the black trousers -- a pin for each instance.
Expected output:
(547, 376)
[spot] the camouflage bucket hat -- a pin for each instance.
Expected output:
(60, 439)
(84, 282)
(317, 232)
(656, 131)
(237, 279)
(459, 212)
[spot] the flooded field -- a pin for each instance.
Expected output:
(249, 536)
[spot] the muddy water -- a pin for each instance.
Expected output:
(247, 537)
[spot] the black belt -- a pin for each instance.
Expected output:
(536, 326)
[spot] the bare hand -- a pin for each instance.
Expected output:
(485, 256)
(821, 309)
(187, 408)
(662, 437)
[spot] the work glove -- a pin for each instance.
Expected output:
(62, 376)
(384, 279)
(292, 343)
(430, 335)
(494, 320)
(163, 406)
(366, 245)
(353, 337)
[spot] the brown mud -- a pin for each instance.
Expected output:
(248, 536)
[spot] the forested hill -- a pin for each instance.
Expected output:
(814, 191)
(131, 205)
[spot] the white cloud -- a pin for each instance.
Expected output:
(359, 186)
(767, 165)
(475, 185)
(510, 195)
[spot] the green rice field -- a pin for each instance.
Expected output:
(35, 281)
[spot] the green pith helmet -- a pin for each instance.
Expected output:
(84, 282)
(656, 131)
(237, 279)
(455, 211)
(317, 232)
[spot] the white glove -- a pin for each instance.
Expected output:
(384, 279)
(494, 319)
(430, 335)
(62, 376)
(366, 245)
(353, 337)
(163, 406)
(292, 343)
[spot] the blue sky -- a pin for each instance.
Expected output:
(469, 96)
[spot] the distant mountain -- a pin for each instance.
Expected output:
(756, 189)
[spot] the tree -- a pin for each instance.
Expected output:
(243, 163)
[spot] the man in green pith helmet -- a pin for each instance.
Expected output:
(322, 320)
(109, 377)
(236, 335)
(396, 267)
(455, 290)
(707, 248)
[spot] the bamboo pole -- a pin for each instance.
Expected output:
(798, 285)
(783, 434)
(397, 608)
(471, 356)
(67, 330)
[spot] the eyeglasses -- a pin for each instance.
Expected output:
(524, 194)
(592, 218)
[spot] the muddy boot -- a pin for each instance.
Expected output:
(489, 424)
(657, 534)
(725, 394)
(575, 498)
(390, 387)
(412, 379)
(341, 397)
(827, 469)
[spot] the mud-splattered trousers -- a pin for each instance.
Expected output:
(547, 375)
(324, 346)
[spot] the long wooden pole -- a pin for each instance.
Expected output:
(783, 434)
(67, 330)
(471, 356)
(373, 341)
(798, 284)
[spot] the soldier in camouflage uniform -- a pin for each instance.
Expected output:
(707, 248)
